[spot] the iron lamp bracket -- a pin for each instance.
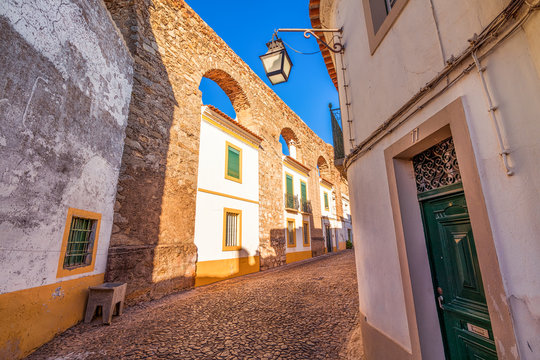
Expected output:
(336, 48)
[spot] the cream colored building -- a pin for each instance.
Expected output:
(64, 96)
(227, 210)
(297, 209)
(440, 106)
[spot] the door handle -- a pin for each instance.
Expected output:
(440, 300)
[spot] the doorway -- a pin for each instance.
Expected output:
(328, 239)
(457, 280)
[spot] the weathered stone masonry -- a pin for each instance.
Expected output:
(152, 243)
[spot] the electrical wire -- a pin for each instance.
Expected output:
(489, 33)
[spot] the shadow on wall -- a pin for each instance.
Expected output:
(209, 272)
(151, 245)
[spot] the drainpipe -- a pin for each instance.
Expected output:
(504, 152)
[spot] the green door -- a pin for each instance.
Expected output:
(461, 300)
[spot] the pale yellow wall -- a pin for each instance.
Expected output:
(34, 316)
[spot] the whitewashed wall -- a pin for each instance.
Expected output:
(65, 88)
(408, 57)
(298, 218)
(209, 208)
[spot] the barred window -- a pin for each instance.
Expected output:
(232, 229)
(306, 232)
(291, 233)
(80, 244)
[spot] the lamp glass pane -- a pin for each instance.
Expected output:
(286, 66)
(272, 62)
(277, 79)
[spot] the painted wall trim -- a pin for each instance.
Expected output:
(33, 316)
(227, 195)
(211, 271)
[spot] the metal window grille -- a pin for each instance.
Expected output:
(290, 229)
(231, 237)
(80, 243)
(436, 167)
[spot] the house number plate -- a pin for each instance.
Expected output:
(478, 330)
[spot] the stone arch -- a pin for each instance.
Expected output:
(293, 143)
(236, 94)
(323, 167)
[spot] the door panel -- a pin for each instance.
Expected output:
(463, 311)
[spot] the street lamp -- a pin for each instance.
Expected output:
(276, 62)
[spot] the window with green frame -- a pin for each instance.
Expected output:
(233, 163)
(326, 206)
(303, 195)
(80, 243)
(290, 191)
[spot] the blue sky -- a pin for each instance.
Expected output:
(246, 26)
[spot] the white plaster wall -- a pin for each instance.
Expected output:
(298, 217)
(209, 227)
(209, 208)
(47, 162)
(211, 173)
(408, 57)
(331, 212)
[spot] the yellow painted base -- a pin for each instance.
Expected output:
(215, 270)
(297, 256)
(342, 246)
(334, 249)
(31, 317)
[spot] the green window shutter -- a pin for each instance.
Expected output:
(303, 191)
(289, 185)
(326, 201)
(290, 194)
(233, 162)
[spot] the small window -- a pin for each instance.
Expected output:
(380, 15)
(232, 229)
(305, 231)
(233, 163)
(82, 233)
(290, 191)
(349, 234)
(291, 233)
(326, 206)
(303, 195)
(79, 243)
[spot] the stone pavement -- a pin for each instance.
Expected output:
(304, 310)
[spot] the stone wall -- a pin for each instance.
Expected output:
(152, 244)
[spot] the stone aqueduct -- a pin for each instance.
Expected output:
(173, 49)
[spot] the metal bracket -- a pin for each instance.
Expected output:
(336, 48)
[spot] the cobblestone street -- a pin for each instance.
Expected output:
(301, 311)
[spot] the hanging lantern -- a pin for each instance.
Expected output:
(276, 62)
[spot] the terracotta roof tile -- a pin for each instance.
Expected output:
(298, 163)
(314, 15)
(236, 123)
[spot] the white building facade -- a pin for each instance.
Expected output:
(227, 213)
(439, 102)
(297, 210)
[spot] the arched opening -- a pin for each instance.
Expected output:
(284, 146)
(322, 168)
(212, 94)
(289, 143)
(235, 94)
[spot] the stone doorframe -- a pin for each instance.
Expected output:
(424, 328)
